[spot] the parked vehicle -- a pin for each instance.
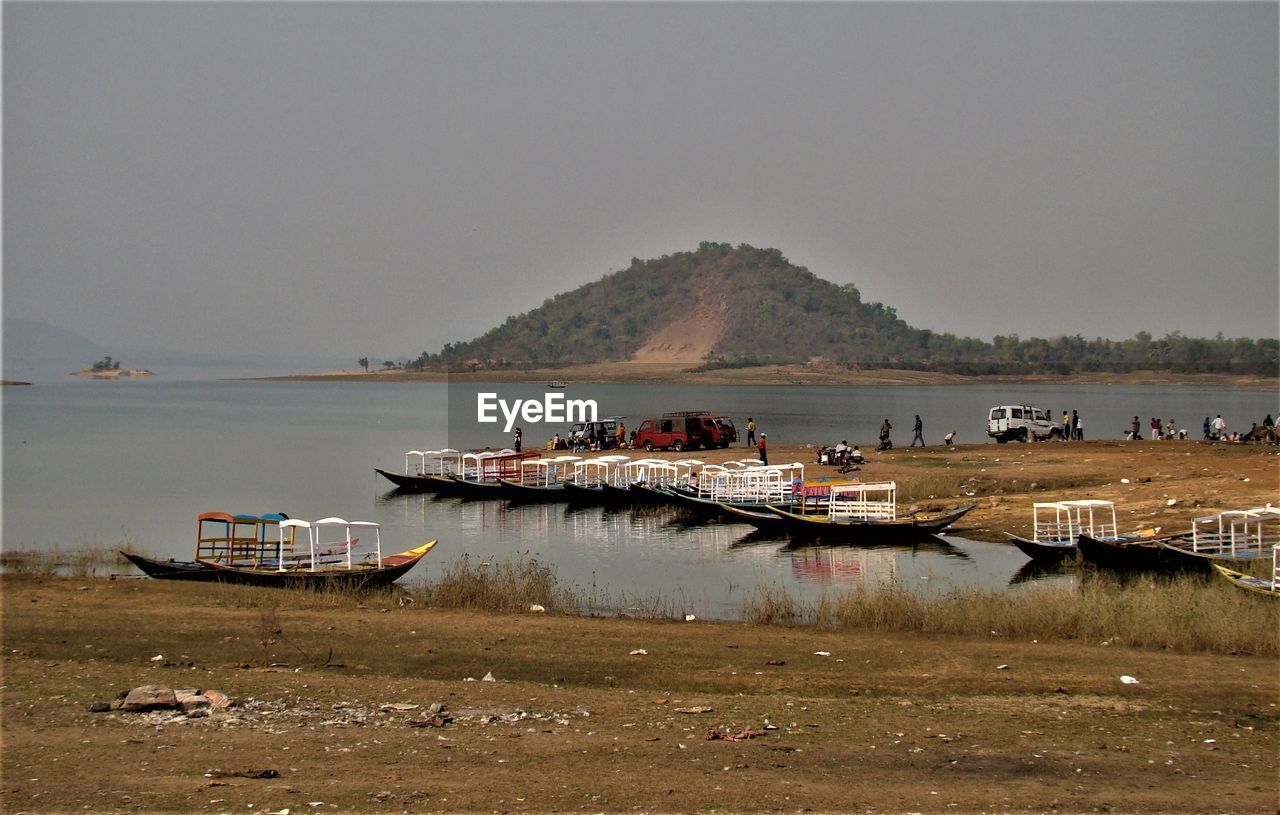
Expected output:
(1020, 423)
(605, 433)
(686, 430)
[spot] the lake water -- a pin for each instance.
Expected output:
(106, 464)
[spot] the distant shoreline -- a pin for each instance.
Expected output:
(777, 375)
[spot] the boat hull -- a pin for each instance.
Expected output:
(907, 528)
(1045, 550)
(392, 568)
(1248, 582)
(1132, 555)
(172, 569)
(1182, 556)
(418, 483)
(524, 494)
(476, 490)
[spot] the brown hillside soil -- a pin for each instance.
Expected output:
(689, 339)
(575, 722)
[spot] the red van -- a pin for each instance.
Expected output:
(687, 430)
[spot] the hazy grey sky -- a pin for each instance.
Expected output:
(354, 178)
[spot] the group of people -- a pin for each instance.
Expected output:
(1214, 429)
(917, 435)
(1072, 427)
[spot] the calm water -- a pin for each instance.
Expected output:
(103, 464)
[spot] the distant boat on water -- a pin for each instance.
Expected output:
(555, 383)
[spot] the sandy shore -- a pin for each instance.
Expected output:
(333, 713)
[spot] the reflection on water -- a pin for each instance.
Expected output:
(843, 567)
(663, 552)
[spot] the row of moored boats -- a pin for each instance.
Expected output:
(769, 497)
(1225, 542)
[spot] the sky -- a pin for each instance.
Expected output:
(360, 179)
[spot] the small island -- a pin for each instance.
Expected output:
(107, 368)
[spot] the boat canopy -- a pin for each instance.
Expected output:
(1237, 533)
(594, 472)
(863, 502)
(1067, 520)
(237, 540)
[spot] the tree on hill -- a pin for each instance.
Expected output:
(106, 364)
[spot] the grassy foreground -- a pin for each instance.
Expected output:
(590, 714)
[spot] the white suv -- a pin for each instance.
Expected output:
(1020, 423)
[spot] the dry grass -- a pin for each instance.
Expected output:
(513, 584)
(1182, 614)
(64, 563)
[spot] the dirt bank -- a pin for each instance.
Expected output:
(576, 721)
(654, 369)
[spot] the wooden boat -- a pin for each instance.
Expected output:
(1056, 525)
(867, 512)
(1134, 554)
(907, 527)
(1261, 585)
(598, 481)
(240, 549)
(1228, 539)
(483, 471)
(751, 488)
(540, 480)
(426, 471)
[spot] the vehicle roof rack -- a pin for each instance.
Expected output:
(681, 414)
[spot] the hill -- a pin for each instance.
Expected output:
(725, 306)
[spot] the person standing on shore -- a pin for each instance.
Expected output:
(1207, 431)
(1218, 427)
(1075, 426)
(751, 431)
(1269, 423)
(760, 447)
(917, 432)
(885, 444)
(1079, 429)
(1155, 429)
(1136, 433)
(518, 438)
(1066, 426)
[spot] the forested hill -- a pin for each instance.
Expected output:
(730, 306)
